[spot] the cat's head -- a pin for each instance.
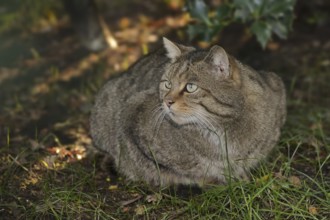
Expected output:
(199, 86)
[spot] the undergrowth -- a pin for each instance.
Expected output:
(48, 169)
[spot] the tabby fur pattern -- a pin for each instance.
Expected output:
(182, 115)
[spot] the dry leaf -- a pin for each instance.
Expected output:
(44, 163)
(264, 178)
(294, 180)
(154, 198)
(32, 179)
(113, 187)
(312, 210)
(125, 209)
(279, 175)
(273, 46)
(7, 73)
(124, 23)
(139, 210)
(203, 44)
(36, 145)
(49, 161)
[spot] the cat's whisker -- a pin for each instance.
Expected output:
(156, 117)
(203, 124)
(207, 116)
(190, 119)
(202, 118)
(209, 120)
(199, 125)
(163, 117)
(156, 109)
(158, 122)
(197, 122)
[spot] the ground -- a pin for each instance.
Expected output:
(49, 168)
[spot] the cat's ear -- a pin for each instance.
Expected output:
(218, 58)
(173, 51)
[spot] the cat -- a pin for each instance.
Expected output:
(187, 116)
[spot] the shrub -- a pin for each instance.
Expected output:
(262, 18)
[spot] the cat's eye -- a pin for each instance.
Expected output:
(168, 84)
(191, 87)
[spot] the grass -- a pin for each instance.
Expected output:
(293, 184)
(49, 170)
(76, 191)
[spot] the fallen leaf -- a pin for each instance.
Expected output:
(53, 150)
(125, 209)
(113, 187)
(312, 210)
(124, 22)
(273, 46)
(7, 73)
(139, 210)
(32, 179)
(44, 163)
(203, 44)
(279, 175)
(295, 181)
(175, 4)
(41, 88)
(154, 198)
(36, 145)
(264, 178)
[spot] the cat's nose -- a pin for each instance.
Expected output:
(169, 102)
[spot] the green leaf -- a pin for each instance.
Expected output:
(195, 30)
(242, 14)
(248, 6)
(279, 8)
(288, 20)
(198, 9)
(263, 17)
(262, 31)
(279, 29)
(223, 11)
(248, 9)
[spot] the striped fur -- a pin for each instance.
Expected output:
(186, 116)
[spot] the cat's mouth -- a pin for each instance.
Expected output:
(176, 117)
(179, 120)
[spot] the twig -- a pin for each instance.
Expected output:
(109, 38)
(128, 202)
(18, 163)
(176, 214)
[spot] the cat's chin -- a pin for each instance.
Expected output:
(176, 119)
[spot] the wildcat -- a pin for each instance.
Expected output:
(182, 115)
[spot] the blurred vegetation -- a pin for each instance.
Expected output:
(262, 18)
(48, 166)
(28, 13)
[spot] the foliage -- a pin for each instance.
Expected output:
(46, 93)
(262, 17)
(26, 14)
